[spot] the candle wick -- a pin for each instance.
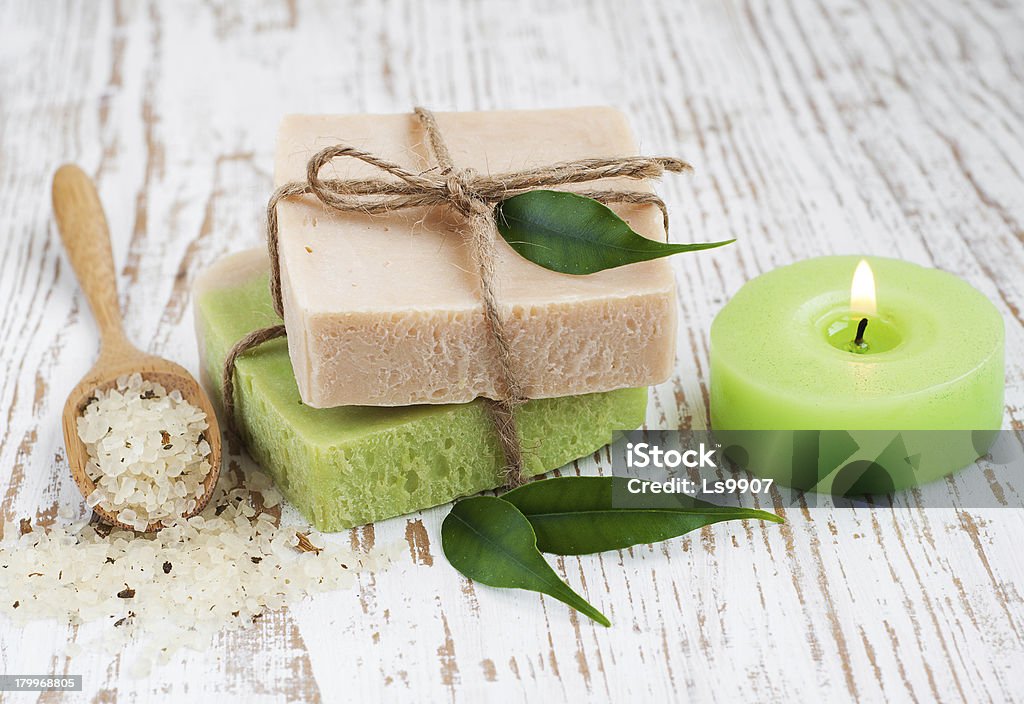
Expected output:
(861, 327)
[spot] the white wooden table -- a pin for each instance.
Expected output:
(821, 126)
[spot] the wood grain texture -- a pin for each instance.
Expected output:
(83, 229)
(816, 127)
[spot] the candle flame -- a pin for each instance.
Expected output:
(862, 291)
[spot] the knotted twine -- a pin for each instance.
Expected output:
(472, 195)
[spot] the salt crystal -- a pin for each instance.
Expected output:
(238, 562)
(218, 566)
(145, 447)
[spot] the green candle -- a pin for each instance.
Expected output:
(825, 344)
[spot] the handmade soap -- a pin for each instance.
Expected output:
(385, 310)
(352, 465)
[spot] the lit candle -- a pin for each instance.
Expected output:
(902, 348)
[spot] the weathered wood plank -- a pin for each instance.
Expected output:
(816, 127)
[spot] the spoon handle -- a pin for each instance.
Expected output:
(83, 229)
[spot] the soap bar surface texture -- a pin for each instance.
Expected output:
(385, 310)
(352, 465)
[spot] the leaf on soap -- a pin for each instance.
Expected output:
(573, 234)
(576, 515)
(490, 541)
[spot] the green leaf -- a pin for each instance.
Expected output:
(576, 516)
(572, 234)
(491, 542)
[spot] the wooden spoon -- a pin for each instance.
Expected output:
(83, 228)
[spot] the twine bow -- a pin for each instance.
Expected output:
(472, 195)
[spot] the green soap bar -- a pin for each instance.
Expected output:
(351, 465)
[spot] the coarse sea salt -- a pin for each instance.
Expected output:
(179, 587)
(148, 455)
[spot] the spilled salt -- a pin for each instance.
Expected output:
(179, 587)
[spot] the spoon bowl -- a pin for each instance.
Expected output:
(83, 229)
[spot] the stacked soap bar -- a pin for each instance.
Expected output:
(351, 465)
(386, 311)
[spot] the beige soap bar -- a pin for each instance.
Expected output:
(385, 310)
